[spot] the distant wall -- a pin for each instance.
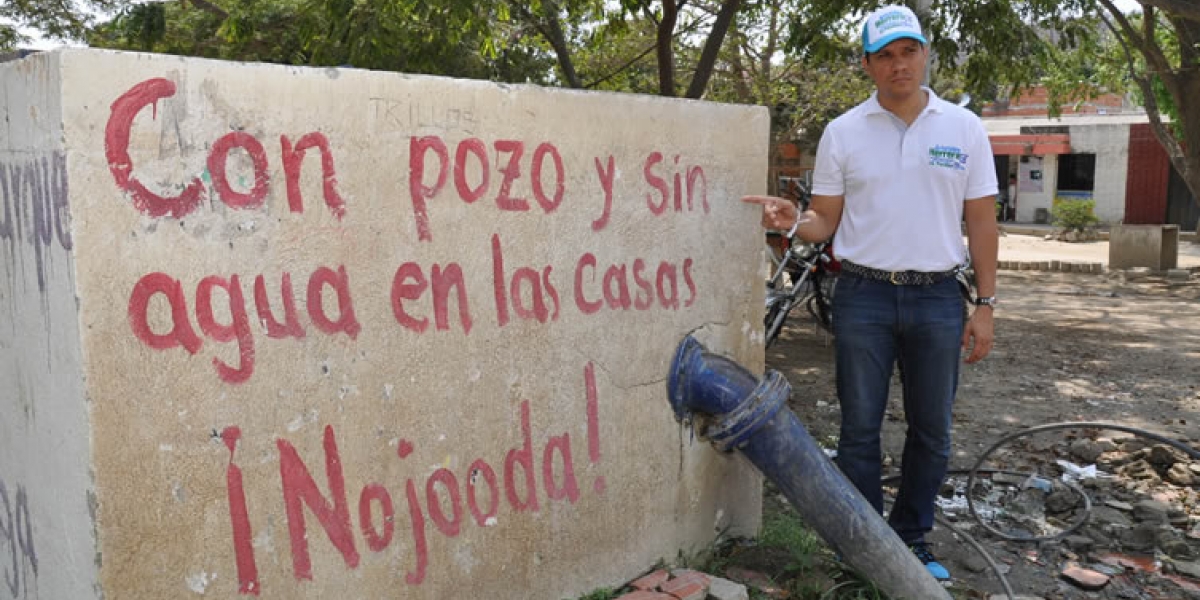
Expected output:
(348, 333)
(47, 543)
(1110, 144)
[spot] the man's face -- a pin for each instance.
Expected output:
(898, 68)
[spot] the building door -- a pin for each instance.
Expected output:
(1007, 204)
(1181, 208)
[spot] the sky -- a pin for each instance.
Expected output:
(40, 43)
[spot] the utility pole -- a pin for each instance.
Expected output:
(924, 11)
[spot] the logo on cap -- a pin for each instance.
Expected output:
(889, 24)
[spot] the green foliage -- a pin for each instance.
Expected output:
(454, 37)
(57, 19)
(600, 594)
(804, 90)
(1074, 215)
(619, 57)
(787, 531)
(808, 570)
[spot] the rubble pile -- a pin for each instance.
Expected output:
(1136, 534)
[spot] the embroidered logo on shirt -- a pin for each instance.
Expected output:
(949, 157)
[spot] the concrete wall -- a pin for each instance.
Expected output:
(1153, 246)
(1110, 144)
(47, 541)
(371, 335)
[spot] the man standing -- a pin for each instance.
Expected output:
(895, 178)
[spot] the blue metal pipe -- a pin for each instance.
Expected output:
(739, 412)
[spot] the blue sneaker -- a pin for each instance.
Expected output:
(922, 552)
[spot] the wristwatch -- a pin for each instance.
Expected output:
(986, 301)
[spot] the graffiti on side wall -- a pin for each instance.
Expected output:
(34, 212)
(18, 554)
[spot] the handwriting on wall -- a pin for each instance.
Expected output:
(412, 115)
(417, 293)
(34, 207)
(421, 295)
(18, 555)
(148, 93)
(172, 313)
(446, 500)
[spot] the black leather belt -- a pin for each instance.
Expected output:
(898, 277)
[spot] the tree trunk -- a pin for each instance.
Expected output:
(739, 58)
(665, 50)
(558, 41)
(551, 29)
(712, 47)
(1181, 80)
(1186, 85)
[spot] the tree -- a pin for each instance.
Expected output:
(803, 90)
(1162, 50)
(59, 19)
(677, 24)
(456, 38)
(449, 37)
(1154, 54)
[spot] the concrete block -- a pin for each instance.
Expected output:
(320, 333)
(724, 589)
(1152, 246)
(1137, 273)
(1179, 274)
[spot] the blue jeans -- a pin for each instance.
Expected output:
(919, 327)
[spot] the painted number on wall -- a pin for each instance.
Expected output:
(18, 556)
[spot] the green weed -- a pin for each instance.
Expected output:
(600, 594)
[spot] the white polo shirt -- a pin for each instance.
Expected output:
(904, 186)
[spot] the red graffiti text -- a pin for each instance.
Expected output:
(446, 502)
(119, 129)
(470, 154)
(238, 327)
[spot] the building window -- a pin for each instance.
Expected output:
(1077, 172)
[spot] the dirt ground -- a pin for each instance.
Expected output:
(1070, 348)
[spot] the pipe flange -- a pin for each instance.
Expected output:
(730, 431)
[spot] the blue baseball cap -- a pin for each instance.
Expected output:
(889, 24)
